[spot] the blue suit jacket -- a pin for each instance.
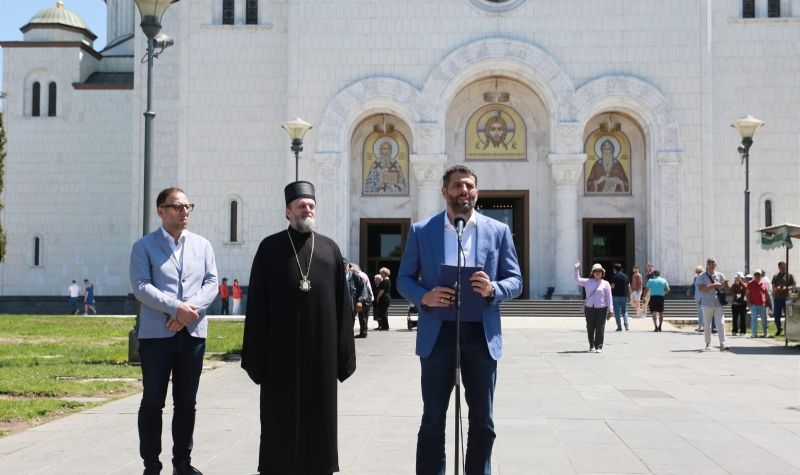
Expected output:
(161, 284)
(423, 256)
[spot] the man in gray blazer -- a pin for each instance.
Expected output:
(174, 277)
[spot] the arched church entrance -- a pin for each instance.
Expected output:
(613, 190)
(499, 126)
(380, 192)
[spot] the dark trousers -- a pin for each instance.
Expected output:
(479, 375)
(595, 325)
(224, 310)
(382, 314)
(363, 317)
(778, 309)
(739, 318)
(182, 356)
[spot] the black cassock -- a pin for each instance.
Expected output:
(296, 345)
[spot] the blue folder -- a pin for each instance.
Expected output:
(472, 303)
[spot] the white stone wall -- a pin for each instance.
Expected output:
(222, 92)
(63, 180)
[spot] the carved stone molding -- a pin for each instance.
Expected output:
(566, 169)
(428, 138)
(360, 99)
(643, 100)
(524, 61)
(428, 168)
(568, 138)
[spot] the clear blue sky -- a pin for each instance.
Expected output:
(15, 13)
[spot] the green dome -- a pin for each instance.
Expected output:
(60, 16)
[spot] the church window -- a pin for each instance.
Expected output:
(37, 251)
(774, 8)
(36, 99)
(51, 100)
(234, 220)
(768, 213)
(227, 12)
(748, 8)
(251, 12)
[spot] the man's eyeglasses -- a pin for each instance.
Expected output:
(179, 207)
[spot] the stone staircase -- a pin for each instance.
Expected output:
(683, 311)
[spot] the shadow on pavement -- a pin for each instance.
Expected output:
(766, 350)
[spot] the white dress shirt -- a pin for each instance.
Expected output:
(468, 242)
(177, 247)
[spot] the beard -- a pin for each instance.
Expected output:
(459, 208)
(303, 225)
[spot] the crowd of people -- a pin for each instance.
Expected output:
(607, 297)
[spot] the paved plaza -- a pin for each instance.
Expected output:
(651, 403)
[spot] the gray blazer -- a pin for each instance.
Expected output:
(161, 283)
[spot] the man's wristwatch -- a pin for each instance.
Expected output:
(491, 296)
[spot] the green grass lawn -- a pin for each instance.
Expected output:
(51, 365)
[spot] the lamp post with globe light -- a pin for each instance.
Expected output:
(747, 128)
(151, 12)
(297, 129)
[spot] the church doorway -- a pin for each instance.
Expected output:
(382, 244)
(511, 208)
(607, 241)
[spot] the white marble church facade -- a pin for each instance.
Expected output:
(668, 78)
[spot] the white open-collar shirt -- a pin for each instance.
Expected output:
(468, 242)
(177, 247)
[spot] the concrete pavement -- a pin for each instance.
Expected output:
(651, 403)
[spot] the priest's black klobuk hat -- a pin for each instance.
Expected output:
(298, 189)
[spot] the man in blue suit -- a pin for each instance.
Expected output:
(174, 277)
(486, 244)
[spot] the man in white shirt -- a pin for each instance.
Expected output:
(74, 293)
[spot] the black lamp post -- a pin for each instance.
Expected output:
(297, 129)
(747, 128)
(151, 12)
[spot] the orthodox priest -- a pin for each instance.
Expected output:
(298, 340)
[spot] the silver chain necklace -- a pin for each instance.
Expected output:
(305, 284)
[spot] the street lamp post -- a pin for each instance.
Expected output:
(297, 129)
(151, 12)
(747, 128)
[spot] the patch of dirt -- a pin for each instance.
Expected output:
(11, 427)
(22, 340)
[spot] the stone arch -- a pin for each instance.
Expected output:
(360, 100)
(664, 158)
(640, 99)
(514, 59)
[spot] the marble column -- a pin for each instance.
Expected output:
(566, 170)
(428, 170)
(667, 236)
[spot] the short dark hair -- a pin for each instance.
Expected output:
(781, 263)
(617, 266)
(458, 169)
(656, 273)
(224, 279)
(164, 194)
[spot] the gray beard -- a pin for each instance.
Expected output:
(303, 225)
